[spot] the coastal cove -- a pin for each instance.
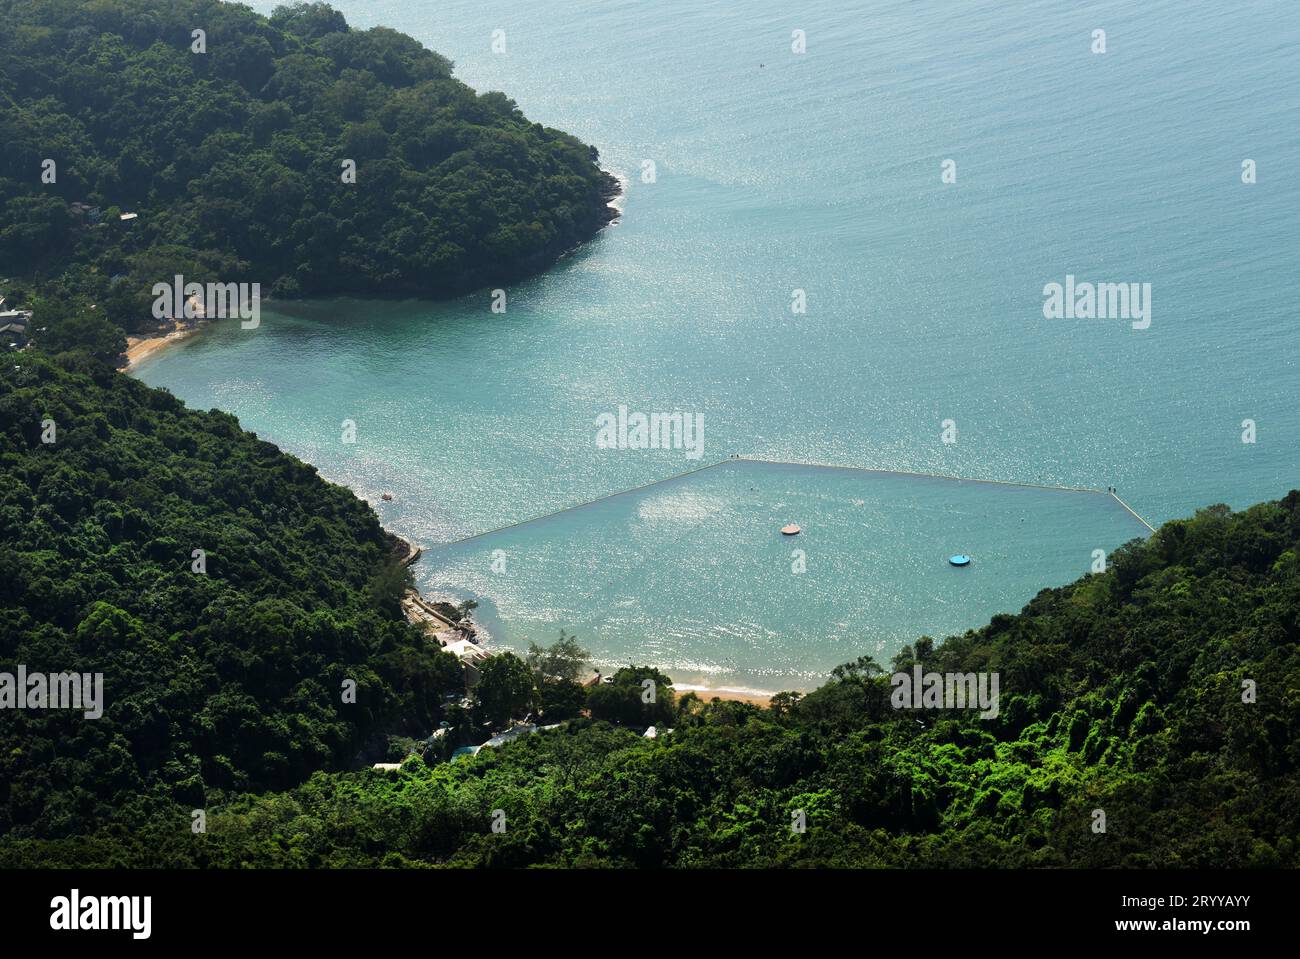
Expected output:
(648, 440)
(924, 304)
(693, 573)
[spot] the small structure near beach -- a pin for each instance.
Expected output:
(471, 655)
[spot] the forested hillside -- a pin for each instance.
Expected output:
(224, 674)
(1127, 693)
(233, 158)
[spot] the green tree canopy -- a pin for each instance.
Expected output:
(505, 689)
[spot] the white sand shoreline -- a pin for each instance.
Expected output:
(140, 348)
(759, 697)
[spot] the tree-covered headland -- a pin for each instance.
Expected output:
(292, 151)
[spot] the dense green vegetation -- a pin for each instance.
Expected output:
(229, 673)
(1122, 692)
(226, 678)
(233, 159)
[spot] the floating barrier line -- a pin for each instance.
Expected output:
(598, 499)
(1134, 512)
(771, 462)
(943, 476)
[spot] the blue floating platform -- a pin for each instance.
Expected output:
(961, 559)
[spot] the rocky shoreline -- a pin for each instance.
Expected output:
(404, 551)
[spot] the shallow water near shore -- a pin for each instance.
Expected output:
(821, 172)
(695, 576)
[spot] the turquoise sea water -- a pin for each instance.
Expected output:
(695, 573)
(821, 171)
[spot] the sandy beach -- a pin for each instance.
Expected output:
(140, 347)
(731, 695)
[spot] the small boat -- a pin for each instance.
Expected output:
(387, 497)
(790, 529)
(961, 559)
